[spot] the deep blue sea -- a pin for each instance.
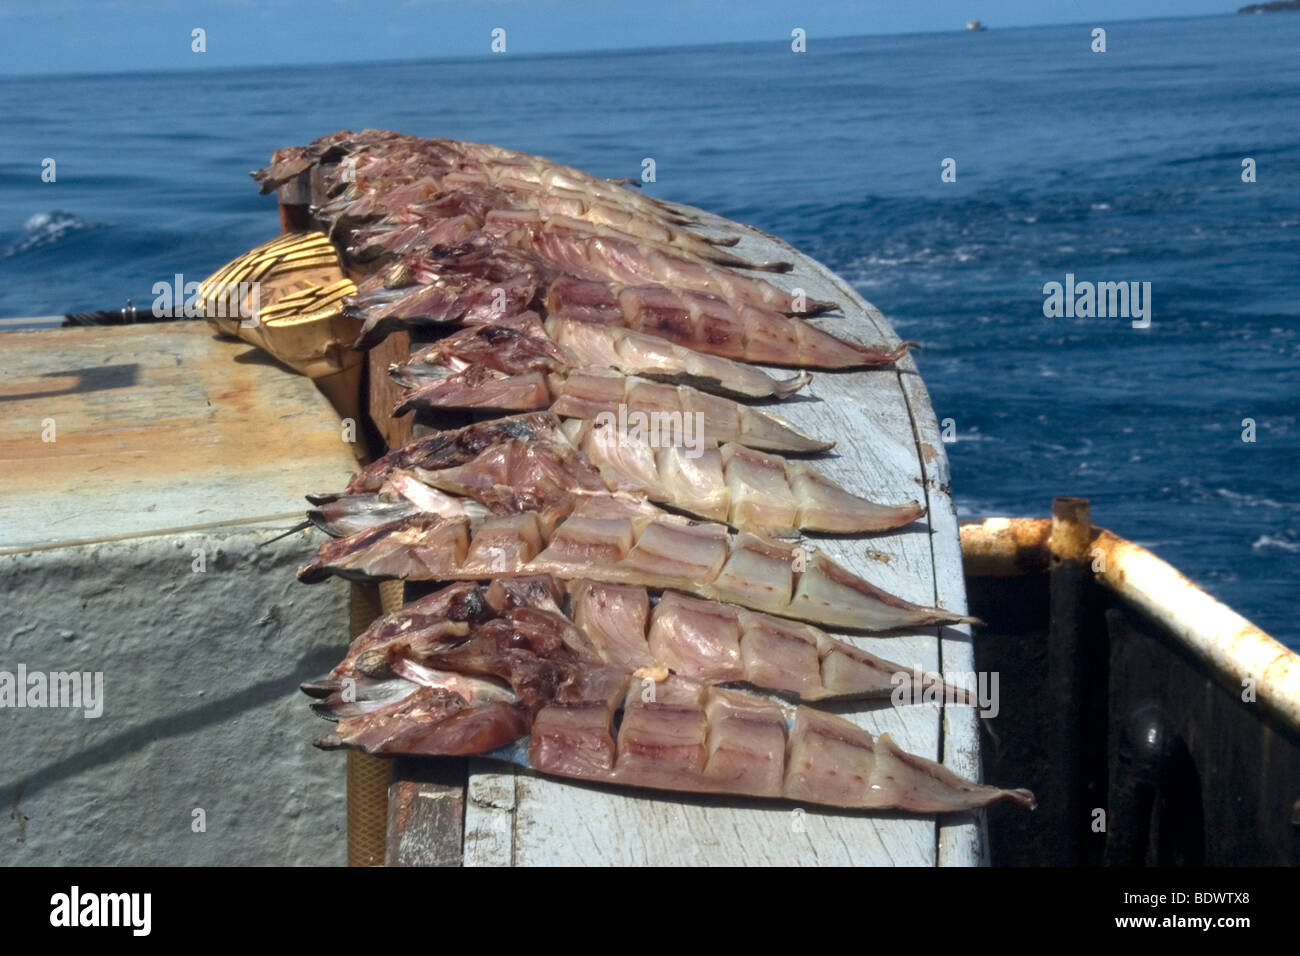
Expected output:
(1116, 166)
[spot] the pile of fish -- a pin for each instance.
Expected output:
(614, 603)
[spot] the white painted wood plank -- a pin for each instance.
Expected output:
(868, 412)
(490, 803)
(962, 837)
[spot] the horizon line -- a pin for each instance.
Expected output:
(589, 51)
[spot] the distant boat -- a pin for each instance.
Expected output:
(974, 25)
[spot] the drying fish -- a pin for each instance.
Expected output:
(524, 173)
(678, 414)
(600, 396)
(565, 225)
(586, 632)
(625, 628)
(666, 414)
(383, 176)
(515, 679)
(717, 643)
(627, 260)
(477, 283)
(748, 489)
(371, 157)
(689, 737)
(468, 205)
(617, 541)
(521, 344)
(446, 449)
(518, 476)
(553, 177)
(635, 353)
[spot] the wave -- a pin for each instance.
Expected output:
(1256, 501)
(1268, 542)
(48, 228)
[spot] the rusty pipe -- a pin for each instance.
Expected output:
(1233, 647)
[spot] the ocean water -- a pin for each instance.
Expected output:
(1116, 166)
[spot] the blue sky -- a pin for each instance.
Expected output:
(84, 36)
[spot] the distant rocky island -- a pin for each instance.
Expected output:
(1273, 7)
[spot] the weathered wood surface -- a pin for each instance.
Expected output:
(426, 805)
(384, 393)
(889, 447)
(156, 427)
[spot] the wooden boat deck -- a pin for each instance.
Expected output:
(888, 447)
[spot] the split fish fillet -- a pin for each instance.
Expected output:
(618, 541)
(617, 642)
(523, 344)
(417, 185)
(503, 672)
(361, 161)
(682, 412)
(479, 282)
(532, 459)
